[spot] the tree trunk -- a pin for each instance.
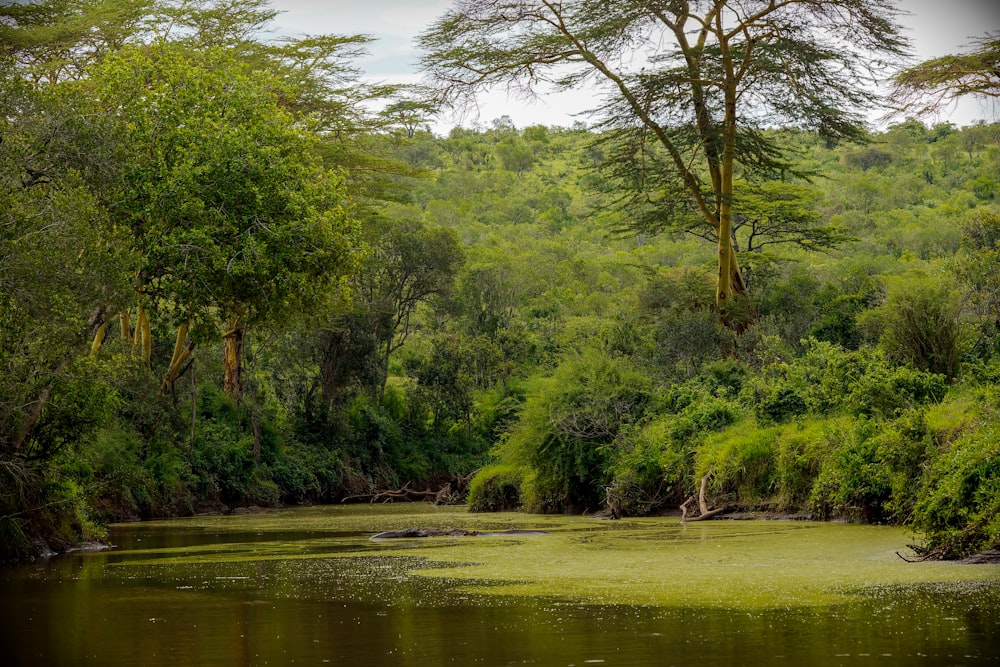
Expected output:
(95, 347)
(233, 360)
(144, 338)
(730, 283)
(182, 352)
(125, 326)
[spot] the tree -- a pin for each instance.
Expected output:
(926, 87)
(688, 85)
(56, 40)
(409, 263)
(233, 219)
(408, 115)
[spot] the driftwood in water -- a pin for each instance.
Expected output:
(450, 532)
(451, 493)
(404, 494)
(703, 511)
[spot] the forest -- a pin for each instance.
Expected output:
(233, 274)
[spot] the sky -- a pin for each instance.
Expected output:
(935, 28)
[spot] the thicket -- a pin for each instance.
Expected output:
(480, 314)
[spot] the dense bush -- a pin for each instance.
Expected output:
(570, 423)
(874, 471)
(958, 508)
(496, 488)
(827, 379)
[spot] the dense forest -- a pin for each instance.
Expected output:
(227, 281)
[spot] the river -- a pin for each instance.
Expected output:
(308, 586)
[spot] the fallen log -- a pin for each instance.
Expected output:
(442, 496)
(450, 532)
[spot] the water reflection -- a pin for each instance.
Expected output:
(183, 594)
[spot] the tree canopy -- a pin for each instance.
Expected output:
(928, 86)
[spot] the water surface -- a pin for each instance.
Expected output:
(308, 586)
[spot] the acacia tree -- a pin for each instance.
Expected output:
(687, 85)
(928, 86)
(56, 40)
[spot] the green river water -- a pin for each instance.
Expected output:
(309, 587)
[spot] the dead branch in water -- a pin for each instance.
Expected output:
(445, 495)
(703, 511)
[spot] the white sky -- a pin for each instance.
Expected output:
(937, 27)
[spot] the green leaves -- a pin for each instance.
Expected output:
(226, 206)
(924, 88)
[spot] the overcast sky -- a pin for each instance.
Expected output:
(936, 27)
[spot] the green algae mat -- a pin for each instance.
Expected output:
(651, 561)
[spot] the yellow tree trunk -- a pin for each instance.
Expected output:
(144, 338)
(183, 348)
(233, 359)
(95, 347)
(125, 325)
(730, 282)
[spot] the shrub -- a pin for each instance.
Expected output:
(802, 449)
(888, 390)
(496, 488)
(569, 425)
(959, 507)
(918, 323)
(308, 474)
(651, 469)
(827, 379)
(741, 461)
(874, 472)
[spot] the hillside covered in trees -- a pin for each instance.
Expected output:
(226, 282)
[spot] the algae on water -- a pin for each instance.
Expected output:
(650, 561)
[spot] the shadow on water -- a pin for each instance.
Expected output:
(310, 588)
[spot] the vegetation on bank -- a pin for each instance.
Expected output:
(347, 303)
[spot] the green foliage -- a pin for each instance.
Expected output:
(228, 211)
(686, 330)
(873, 474)
(376, 442)
(923, 88)
(569, 425)
(496, 488)
(741, 463)
(958, 508)
(222, 455)
(652, 469)
(978, 268)
(919, 323)
(827, 379)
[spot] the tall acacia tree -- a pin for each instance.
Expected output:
(688, 85)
